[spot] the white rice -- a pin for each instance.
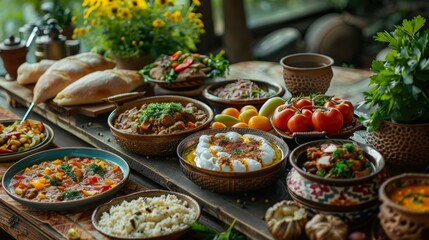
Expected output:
(147, 217)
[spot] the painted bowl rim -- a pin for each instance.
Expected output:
(335, 181)
(279, 92)
(63, 205)
(114, 115)
(181, 149)
(145, 193)
(386, 199)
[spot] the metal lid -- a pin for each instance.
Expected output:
(12, 41)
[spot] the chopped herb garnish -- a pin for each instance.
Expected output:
(321, 172)
(72, 194)
(53, 181)
(338, 168)
(350, 147)
(68, 169)
(95, 169)
(417, 197)
(337, 153)
(156, 110)
(236, 152)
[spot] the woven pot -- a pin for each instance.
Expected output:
(403, 145)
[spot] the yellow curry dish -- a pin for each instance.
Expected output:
(414, 197)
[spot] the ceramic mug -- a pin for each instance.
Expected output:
(306, 73)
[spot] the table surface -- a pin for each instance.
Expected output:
(247, 208)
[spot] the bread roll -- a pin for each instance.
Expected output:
(31, 72)
(95, 86)
(66, 71)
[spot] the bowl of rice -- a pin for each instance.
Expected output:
(237, 93)
(151, 214)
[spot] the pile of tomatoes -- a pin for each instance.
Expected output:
(321, 113)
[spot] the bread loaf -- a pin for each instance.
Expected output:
(66, 71)
(95, 86)
(31, 72)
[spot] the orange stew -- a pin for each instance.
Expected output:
(412, 197)
(66, 179)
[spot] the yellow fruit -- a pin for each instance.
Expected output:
(246, 115)
(218, 125)
(270, 105)
(247, 107)
(241, 125)
(226, 119)
(231, 112)
(260, 122)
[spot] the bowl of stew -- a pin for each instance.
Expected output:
(20, 140)
(404, 211)
(161, 121)
(337, 176)
(237, 93)
(66, 178)
(232, 160)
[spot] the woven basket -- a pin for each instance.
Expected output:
(403, 145)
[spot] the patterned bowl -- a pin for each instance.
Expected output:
(353, 200)
(399, 222)
(232, 182)
(221, 103)
(166, 144)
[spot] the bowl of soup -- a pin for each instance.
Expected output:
(233, 160)
(65, 178)
(161, 121)
(404, 212)
(337, 176)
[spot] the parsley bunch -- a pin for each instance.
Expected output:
(400, 84)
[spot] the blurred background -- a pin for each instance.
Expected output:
(254, 29)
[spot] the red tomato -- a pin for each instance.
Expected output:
(302, 103)
(346, 108)
(281, 116)
(301, 121)
(329, 120)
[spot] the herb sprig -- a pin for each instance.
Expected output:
(156, 110)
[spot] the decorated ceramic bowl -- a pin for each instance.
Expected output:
(41, 144)
(220, 102)
(354, 200)
(54, 190)
(166, 144)
(230, 180)
(188, 209)
(404, 212)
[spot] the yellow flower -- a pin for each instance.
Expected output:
(74, 19)
(134, 42)
(81, 31)
(88, 28)
(176, 16)
(86, 3)
(167, 14)
(93, 22)
(191, 15)
(139, 4)
(199, 22)
(113, 10)
(141, 42)
(158, 23)
(165, 2)
(74, 36)
(124, 13)
(197, 2)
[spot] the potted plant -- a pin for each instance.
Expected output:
(398, 126)
(140, 29)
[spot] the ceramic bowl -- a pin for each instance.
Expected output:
(220, 103)
(353, 200)
(399, 222)
(307, 73)
(44, 144)
(165, 144)
(232, 182)
(60, 153)
(98, 212)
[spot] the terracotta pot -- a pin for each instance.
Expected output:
(398, 222)
(14, 53)
(306, 73)
(402, 145)
(132, 63)
(355, 201)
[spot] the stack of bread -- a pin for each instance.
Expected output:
(80, 79)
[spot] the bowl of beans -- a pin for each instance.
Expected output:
(18, 140)
(237, 93)
(161, 121)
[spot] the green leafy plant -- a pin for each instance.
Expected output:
(400, 84)
(129, 28)
(203, 232)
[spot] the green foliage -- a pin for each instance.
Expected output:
(72, 194)
(156, 110)
(400, 84)
(203, 232)
(95, 169)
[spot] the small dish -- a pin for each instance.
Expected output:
(60, 153)
(44, 144)
(219, 103)
(166, 144)
(98, 212)
(232, 182)
(353, 200)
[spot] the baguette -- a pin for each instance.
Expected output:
(95, 86)
(31, 72)
(66, 71)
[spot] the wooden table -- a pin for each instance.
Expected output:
(247, 208)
